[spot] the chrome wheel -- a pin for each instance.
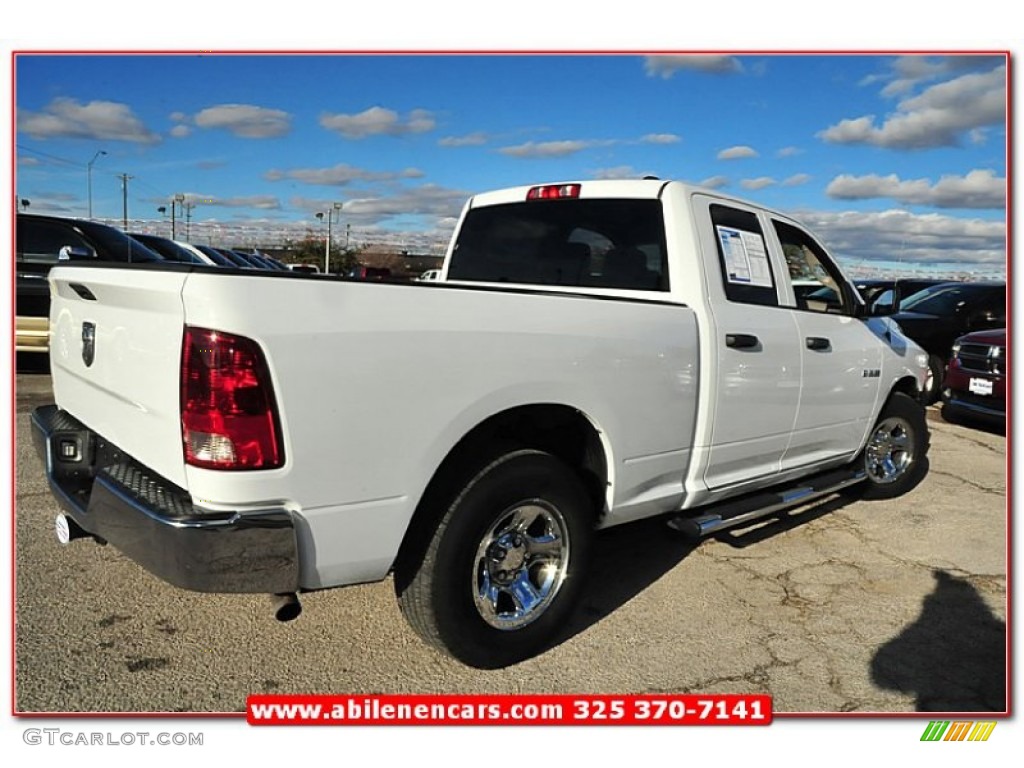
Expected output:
(890, 451)
(520, 564)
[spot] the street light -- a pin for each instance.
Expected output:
(327, 249)
(178, 199)
(89, 178)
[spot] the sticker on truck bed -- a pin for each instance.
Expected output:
(746, 258)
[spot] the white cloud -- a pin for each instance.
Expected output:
(898, 234)
(978, 189)
(759, 183)
(245, 120)
(469, 140)
(661, 138)
(262, 202)
(428, 200)
(714, 182)
(340, 175)
(667, 66)
(789, 152)
(180, 131)
(910, 71)
(617, 172)
(733, 153)
(936, 117)
(546, 148)
(378, 121)
(796, 180)
(69, 119)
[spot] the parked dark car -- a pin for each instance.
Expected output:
(975, 385)
(886, 299)
(880, 294)
(261, 259)
(42, 241)
(937, 316)
(169, 249)
(213, 255)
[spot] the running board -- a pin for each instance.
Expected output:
(746, 509)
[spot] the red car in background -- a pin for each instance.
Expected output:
(975, 383)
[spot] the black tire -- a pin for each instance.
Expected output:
(895, 457)
(933, 384)
(504, 567)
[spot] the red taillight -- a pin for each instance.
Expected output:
(553, 192)
(228, 416)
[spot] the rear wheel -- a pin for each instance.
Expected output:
(503, 569)
(894, 458)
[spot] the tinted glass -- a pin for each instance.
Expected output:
(598, 243)
(169, 249)
(40, 240)
(947, 299)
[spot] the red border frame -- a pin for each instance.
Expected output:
(553, 52)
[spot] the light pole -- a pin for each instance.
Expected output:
(327, 250)
(124, 199)
(89, 178)
(178, 199)
(187, 208)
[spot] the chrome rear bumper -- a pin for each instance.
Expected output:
(111, 497)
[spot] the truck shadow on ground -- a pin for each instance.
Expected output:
(953, 658)
(630, 558)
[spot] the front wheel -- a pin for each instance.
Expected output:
(894, 459)
(933, 380)
(503, 569)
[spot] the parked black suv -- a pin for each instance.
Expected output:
(42, 241)
(937, 316)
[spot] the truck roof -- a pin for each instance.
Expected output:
(647, 188)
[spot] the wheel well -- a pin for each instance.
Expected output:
(908, 386)
(560, 430)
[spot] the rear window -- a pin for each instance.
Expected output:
(597, 243)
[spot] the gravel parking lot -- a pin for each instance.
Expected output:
(838, 607)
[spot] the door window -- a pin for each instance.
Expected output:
(809, 264)
(743, 256)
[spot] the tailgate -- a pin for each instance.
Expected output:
(115, 356)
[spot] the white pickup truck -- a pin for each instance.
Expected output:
(593, 353)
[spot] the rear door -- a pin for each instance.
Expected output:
(756, 384)
(115, 355)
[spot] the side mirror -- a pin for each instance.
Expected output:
(75, 253)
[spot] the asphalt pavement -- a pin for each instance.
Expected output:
(894, 606)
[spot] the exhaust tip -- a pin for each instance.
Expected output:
(286, 606)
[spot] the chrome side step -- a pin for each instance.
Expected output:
(745, 509)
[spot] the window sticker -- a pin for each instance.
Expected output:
(746, 258)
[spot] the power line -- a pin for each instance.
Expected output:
(63, 160)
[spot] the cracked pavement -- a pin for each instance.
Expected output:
(884, 606)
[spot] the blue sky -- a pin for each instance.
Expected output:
(892, 160)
